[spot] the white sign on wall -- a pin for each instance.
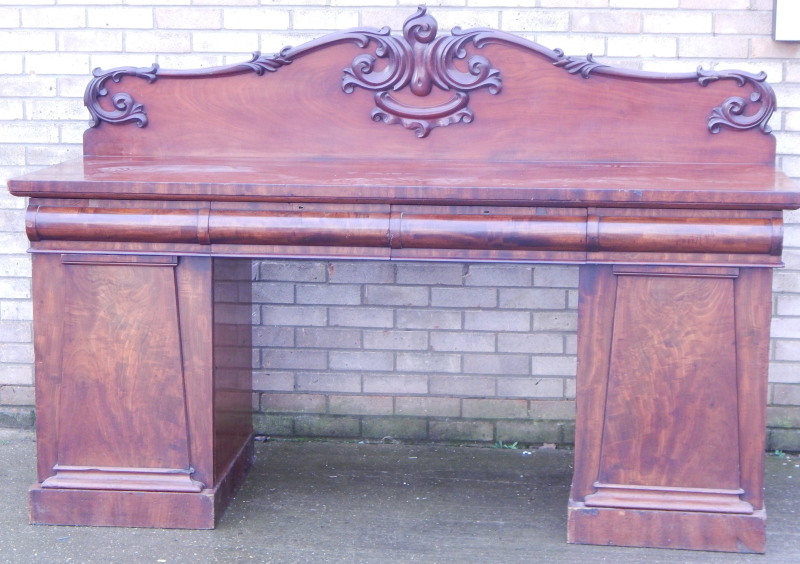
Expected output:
(786, 23)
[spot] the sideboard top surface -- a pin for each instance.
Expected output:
(397, 181)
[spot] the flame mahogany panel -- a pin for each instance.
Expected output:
(475, 145)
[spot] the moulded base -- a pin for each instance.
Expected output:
(114, 508)
(690, 530)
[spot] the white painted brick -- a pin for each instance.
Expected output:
(744, 23)
(27, 40)
(396, 384)
(788, 304)
(574, 44)
(783, 372)
(331, 294)
(718, 46)
(530, 387)
(16, 353)
(396, 340)
(294, 315)
(642, 46)
(324, 18)
(10, 17)
(534, 20)
(466, 19)
(765, 47)
(396, 295)
(715, 4)
(463, 341)
(792, 71)
(72, 86)
(298, 271)
(11, 109)
(359, 272)
(193, 60)
(16, 310)
(294, 359)
(17, 395)
(616, 21)
(351, 3)
(60, 17)
(573, 3)
(90, 40)
(16, 374)
(27, 86)
(788, 143)
(459, 385)
(643, 3)
(785, 328)
(533, 343)
(788, 350)
(494, 275)
(11, 220)
(463, 297)
(428, 319)
(11, 155)
(14, 331)
(12, 63)
(105, 2)
(120, 18)
(361, 317)
(497, 320)
(370, 361)
(500, 364)
(788, 95)
(532, 298)
(261, 18)
(187, 18)
(56, 109)
(72, 132)
(792, 123)
(554, 366)
(447, 274)
(30, 132)
(555, 321)
(677, 22)
(158, 41)
(221, 41)
(273, 42)
(43, 155)
(496, 3)
(221, 2)
(326, 337)
(428, 362)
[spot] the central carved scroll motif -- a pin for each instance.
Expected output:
(421, 61)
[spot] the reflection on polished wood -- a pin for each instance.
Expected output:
(662, 187)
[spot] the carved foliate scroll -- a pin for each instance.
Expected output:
(419, 62)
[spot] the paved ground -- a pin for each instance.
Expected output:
(320, 502)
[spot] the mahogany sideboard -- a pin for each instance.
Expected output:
(473, 146)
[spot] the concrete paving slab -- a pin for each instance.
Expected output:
(340, 502)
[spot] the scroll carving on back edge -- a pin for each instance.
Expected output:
(420, 61)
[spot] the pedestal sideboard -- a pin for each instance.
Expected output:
(473, 146)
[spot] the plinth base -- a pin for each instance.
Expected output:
(169, 510)
(689, 530)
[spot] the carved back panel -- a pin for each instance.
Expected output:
(367, 94)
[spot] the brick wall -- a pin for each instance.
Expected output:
(415, 350)
(434, 351)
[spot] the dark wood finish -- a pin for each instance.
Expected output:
(139, 333)
(661, 186)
